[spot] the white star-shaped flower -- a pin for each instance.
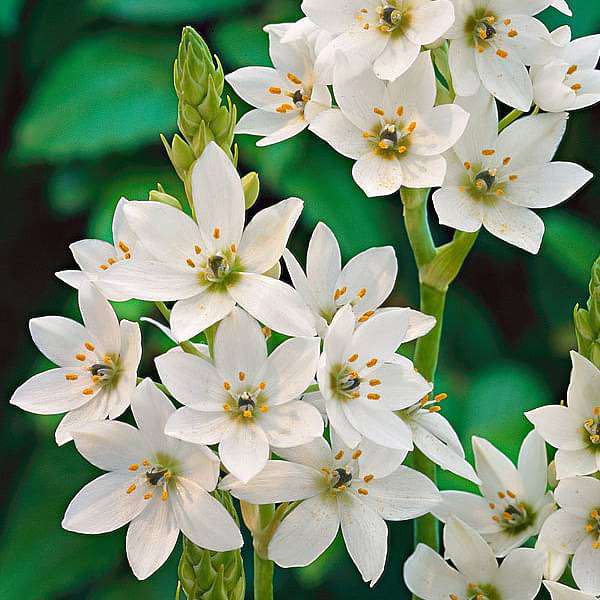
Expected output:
(245, 402)
(392, 131)
(476, 574)
(156, 483)
(494, 180)
(337, 488)
(210, 265)
(558, 591)
(97, 365)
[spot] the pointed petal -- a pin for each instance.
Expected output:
(377, 176)
(252, 85)
(340, 133)
(496, 471)
(570, 463)
(199, 427)
(316, 454)
(323, 264)
(415, 90)
(533, 467)
(422, 171)
(398, 55)
(58, 338)
(583, 393)
(456, 209)
(564, 532)
(461, 58)
(470, 508)
(94, 410)
(558, 591)
(430, 21)
(560, 426)
(520, 574)
(100, 320)
(244, 450)
(341, 424)
(377, 460)
(292, 424)
(578, 495)
(586, 568)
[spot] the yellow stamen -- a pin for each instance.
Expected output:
(596, 410)
(400, 110)
(264, 408)
(247, 414)
(274, 90)
(506, 161)
(513, 33)
(402, 149)
(513, 177)
(87, 392)
(294, 79)
(353, 358)
(133, 467)
(372, 362)
(362, 292)
(411, 126)
(511, 494)
(127, 255)
(111, 261)
(262, 385)
(146, 463)
(378, 111)
(576, 87)
(241, 375)
(233, 248)
(283, 108)
(467, 165)
(124, 247)
(368, 478)
(440, 397)
(366, 135)
(366, 26)
(80, 356)
(507, 22)
(71, 377)
(501, 495)
(373, 396)
(131, 488)
(96, 378)
(339, 292)
(226, 407)
(216, 233)
(571, 69)
(589, 528)
(488, 152)
(492, 506)
(104, 267)
(434, 409)
(356, 454)
(363, 492)
(226, 385)
(191, 263)
(148, 496)
(374, 382)
(339, 455)
(164, 496)
(501, 53)
(496, 518)
(197, 249)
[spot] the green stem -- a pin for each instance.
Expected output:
(513, 115)
(417, 226)
(263, 567)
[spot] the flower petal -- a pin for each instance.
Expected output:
(520, 574)
(497, 472)
(585, 567)
(558, 591)
(570, 463)
(340, 133)
(533, 467)
(429, 21)
(252, 84)
(461, 59)
(470, 508)
(341, 424)
(439, 129)
(292, 424)
(564, 532)
(422, 171)
(199, 427)
(316, 454)
(401, 386)
(560, 426)
(378, 176)
(100, 320)
(244, 450)
(583, 394)
(578, 495)
(90, 254)
(323, 265)
(456, 209)
(396, 58)
(58, 338)
(94, 410)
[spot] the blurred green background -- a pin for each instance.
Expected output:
(86, 89)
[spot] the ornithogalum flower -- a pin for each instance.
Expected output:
(574, 429)
(97, 365)
(476, 574)
(494, 180)
(558, 591)
(335, 491)
(245, 402)
(156, 483)
(289, 96)
(392, 130)
(514, 501)
(211, 265)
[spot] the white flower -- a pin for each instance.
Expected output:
(365, 282)
(562, 6)
(392, 130)
(556, 562)
(246, 401)
(494, 180)
(335, 489)
(289, 96)
(157, 484)
(514, 503)
(97, 365)
(571, 81)
(491, 42)
(476, 574)
(574, 429)
(558, 591)
(211, 265)
(388, 34)
(361, 391)
(575, 529)
(96, 256)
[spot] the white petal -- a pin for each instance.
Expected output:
(90, 254)
(292, 424)
(94, 410)
(244, 450)
(439, 129)
(584, 52)
(339, 337)
(520, 574)
(252, 85)
(316, 454)
(570, 463)
(292, 127)
(578, 495)
(419, 324)
(340, 133)
(558, 591)
(72, 277)
(422, 171)
(199, 427)
(378, 176)
(470, 508)
(401, 386)
(335, 16)
(59, 338)
(563, 532)
(533, 467)
(456, 209)
(583, 393)
(586, 567)
(461, 59)
(341, 424)
(560, 426)
(377, 460)
(323, 264)
(131, 354)
(430, 20)
(497, 472)
(415, 90)
(398, 55)
(264, 123)
(100, 319)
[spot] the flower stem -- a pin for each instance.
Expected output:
(263, 567)
(513, 115)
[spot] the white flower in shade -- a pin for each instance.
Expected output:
(393, 130)
(476, 574)
(156, 483)
(361, 388)
(556, 562)
(558, 591)
(495, 180)
(97, 365)
(491, 42)
(575, 529)
(96, 256)
(289, 96)
(571, 81)
(514, 501)
(211, 265)
(364, 283)
(336, 489)
(574, 429)
(388, 34)
(562, 6)
(246, 401)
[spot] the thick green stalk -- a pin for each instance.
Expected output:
(513, 115)
(263, 567)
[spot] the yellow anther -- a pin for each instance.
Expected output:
(491, 19)
(96, 378)
(595, 439)
(339, 455)
(262, 385)
(283, 108)
(501, 495)
(589, 528)
(104, 267)
(164, 496)
(374, 382)
(368, 478)
(596, 545)
(241, 375)
(499, 192)
(480, 184)
(353, 375)
(496, 518)
(513, 33)
(266, 331)
(191, 263)
(226, 407)
(402, 149)
(274, 90)
(361, 293)
(467, 165)
(148, 496)
(294, 79)
(492, 506)
(353, 358)
(197, 249)
(226, 385)
(480, 49)
(378, 111)
(363, 492)
(131, 488)
(576, 87)
(507, 516)
(400, 110)
(501, 53)
(87, 392)
(513, 177)
(383, 144)
(366, 135)
(341, 488)
(596, 410)
(111, 261)
(511, 494)
(488, 152)
(71, 376)
(80, 356)
(264, 408)
(247, 414)
(440, 397)
(372, 362)
(233, 248)
(216, 233)
(124, 247)
(325, 470)
(355, 395)
(107, 359)
(507, 22)
(571, 69)
(588, 422)
(339, 292)
(127, 255)
(424, 399)
(133, 467)
(146, 463)
(434, 409)
(366, 26)
(411, 126)
(506, 160)
(482, 33)
(373, 396)
(357, 454)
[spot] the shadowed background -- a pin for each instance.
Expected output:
(86, 87)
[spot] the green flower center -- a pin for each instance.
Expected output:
(477, 591)
(591, 428)
(394, 16)
(512, 514)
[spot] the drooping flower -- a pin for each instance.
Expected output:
(336, 489)
(157, 484)
(364, 283)
(388, 34)
(289, 96)
(245, 402)
(558, 591)
(393, 130)
(514, 502)
(97, 365)
(494, 180)
(211, 265)
(476, 573)
(574, 429)
(491, 42)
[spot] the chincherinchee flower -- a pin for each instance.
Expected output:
(476, 575)
(157, 484)
(491, 42)
(211, 265)
(97, 365)
(574, 429)
(335, 491)
(289, 96)
(494, 180)
(364, 283)
(558, 591)
(514, 503)
(393, 130)
(388, 34)
(246, 402)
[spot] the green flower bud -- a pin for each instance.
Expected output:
(160, 195)
(251, 185)
(587, 321)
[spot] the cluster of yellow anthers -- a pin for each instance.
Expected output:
(391, 132)
(483, 179)
(592, 426)
(514, 512)
(246, 399)
(354, 376)
(124, 248)
(298, 97)
(576, 87)
(432, 404)
(197, 250)
(154, 476)
(97, 370)
(593, 527)
(486, 31)
(341, 479)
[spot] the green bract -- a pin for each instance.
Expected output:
(587, 321)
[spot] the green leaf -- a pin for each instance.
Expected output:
(585, 18)
(109, 92)
(9, 15)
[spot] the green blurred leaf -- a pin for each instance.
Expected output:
(9, 15)
(241, 43)
(585, 20)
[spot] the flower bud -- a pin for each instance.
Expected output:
(159, 195)
(251, 185)
(587, 320)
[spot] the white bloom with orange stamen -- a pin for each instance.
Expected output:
(97, 365)
(364, 282)
(289, 96)
(157, 484)
(559, 591)
(475, 574)
(495, 180)
(245, 402)
(211, 265)
(337, 489)
(574, 429)
(393, 131)
(514, 502)
(491, 42)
